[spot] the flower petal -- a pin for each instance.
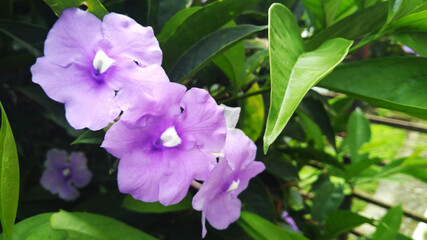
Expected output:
(222, 210)
(151, 80)
(203, 119)
(139, 175)
(81, 175)
(131, 41)
(52, 180)
(56, 159)
(87, 103)
(231, 115)
(73, 38)
(68, 192)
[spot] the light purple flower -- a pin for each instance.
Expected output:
(65, 173)
(409, 50)
(166, 142)
(96, 67)
(217, 197)
(289, 220)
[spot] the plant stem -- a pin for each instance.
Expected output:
(246, 95)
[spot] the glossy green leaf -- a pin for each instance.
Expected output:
(293, 72)
(352, 27)
(342, 221)
(417, 41)
(261, 229)
(389, 225)
(155, 207)
(328, 198)
(31, 37)
(396, 83)
(89, 226)
(358, 133)
(323, 10)
(208, 48)
(36, 228)
(90, 137)
(232, 61)
(168, 9)
(169, 29)
(252, 116)
(190, 31)
(9, 176)
(93, 6)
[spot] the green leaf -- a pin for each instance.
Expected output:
(168, 9)
(358, 133)
(356, 168)
(9, 176)
(251, 64)
(232, 61)
(389, 225)
(252, 117)
(293, 72)
(257, 199)
(190, 31)
(352, 27)
(169, 29)
(312, 131)
(414, 22)
(31, 37)
(342, 221)
(396, 83)
(93, 6)
(313, 154)
(277, 164)
(90, 137)
(37, 227)
(417, 41)
(208, 48)
(261, 229)
(89, 226)
(313, 106)
(155, 207)
(327, 199)
(400, 8)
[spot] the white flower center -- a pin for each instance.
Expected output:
(102, 62)
(234, 185)
(66, 172)
(170, 138)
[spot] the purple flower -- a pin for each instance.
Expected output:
(96, 67)
(409, 50)
(217, 197)
(289, 220)
(65, 173)
(166, 142)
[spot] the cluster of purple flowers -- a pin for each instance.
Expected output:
(166, 137)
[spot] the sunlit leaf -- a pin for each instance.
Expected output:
(9, 176)
(293, 72)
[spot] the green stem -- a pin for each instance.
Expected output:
(246, 95)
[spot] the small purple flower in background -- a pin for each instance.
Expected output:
(65, 173)
(166, 142)
(289, 220)
(97, 67)
(409, 50)
(217, 197)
